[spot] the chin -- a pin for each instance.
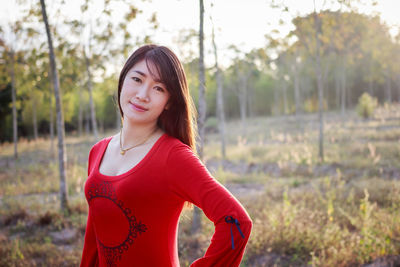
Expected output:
(138, 119)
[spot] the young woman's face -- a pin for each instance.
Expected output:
(143, 98)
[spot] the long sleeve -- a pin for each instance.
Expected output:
(89, 254)
(190, 181)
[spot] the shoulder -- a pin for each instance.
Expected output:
(176, 152)
(174, 145)
(99, 145)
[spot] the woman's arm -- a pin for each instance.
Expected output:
(191, 181)
(89, 254)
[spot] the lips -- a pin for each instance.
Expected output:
(138, 107)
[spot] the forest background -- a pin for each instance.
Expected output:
(312, 100)
(359, 53)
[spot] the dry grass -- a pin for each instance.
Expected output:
(342, 212)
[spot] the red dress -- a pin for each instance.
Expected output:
(133, 217)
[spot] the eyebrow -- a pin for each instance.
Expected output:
(144, 74)
(141, 73)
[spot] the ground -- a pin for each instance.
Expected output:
(342, 211)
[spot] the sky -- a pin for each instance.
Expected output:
(245, 23)
(238, 22)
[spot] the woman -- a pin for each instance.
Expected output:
(140, 178)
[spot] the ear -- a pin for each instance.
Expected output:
(167, 106)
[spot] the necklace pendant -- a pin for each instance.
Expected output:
(122, 152)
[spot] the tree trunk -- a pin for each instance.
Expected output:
(87, 122)
(296, 89)
(318, 73)
(370, 81)
(34, 116)
(220, 98)
(196, 226)
(398, 88)
(285, 104)
(14, 108)
(80, 111)
(276, 105)
(250, 99)
(344, 90)
(338, 86)
(242, 102)
(91, 102)
(388, 86)
(51, 126)
(62, 155)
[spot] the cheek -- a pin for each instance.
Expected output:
(124, 92)
(166, 103)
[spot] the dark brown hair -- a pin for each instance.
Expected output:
(179, 119)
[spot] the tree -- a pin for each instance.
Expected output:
(202, 110)
(62, 156)
(220, 99)
(8, 41)
(318, 73)
(14, 109)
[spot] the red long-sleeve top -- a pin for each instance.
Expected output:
(133, 217)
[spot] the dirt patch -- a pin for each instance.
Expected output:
(389, 261)
(274, 259)
(273, 169)
(65, 236)
(245, 190)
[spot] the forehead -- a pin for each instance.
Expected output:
(146, 68)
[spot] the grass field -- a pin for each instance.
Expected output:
(340, 212)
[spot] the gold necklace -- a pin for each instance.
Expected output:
(123, 151)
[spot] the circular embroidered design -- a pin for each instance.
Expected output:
(113, 253)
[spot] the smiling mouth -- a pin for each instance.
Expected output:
(137, 107)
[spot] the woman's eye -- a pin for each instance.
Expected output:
(136, 79)
(160, 89)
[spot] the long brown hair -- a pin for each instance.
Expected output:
(179, 119)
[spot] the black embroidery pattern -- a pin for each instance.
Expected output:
(113, 254)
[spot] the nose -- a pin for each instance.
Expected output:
(142, 93)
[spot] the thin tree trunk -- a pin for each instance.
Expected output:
(250, 97)
(338, 87)
(80, 111)
(87, 122)
(242, 102)
(296, 90)
(398, 88)
(34, 116)
(276, 109)
(62, 155)
(370, 81)
(196, 226)
(51, 126)
(91, 102)
(220, 98)
(14, 108)
(388, 87)
(285, 104)
(320, 85)
(344, 90)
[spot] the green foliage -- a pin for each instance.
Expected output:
(366, 105)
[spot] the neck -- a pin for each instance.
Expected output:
(134, 133)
